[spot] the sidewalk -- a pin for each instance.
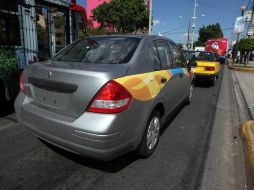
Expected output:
(241, 67)
(244, 81)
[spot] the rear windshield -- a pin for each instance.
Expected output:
(108, 50)
(202, 56)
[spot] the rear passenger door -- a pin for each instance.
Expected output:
(179, 71)
(162, 74)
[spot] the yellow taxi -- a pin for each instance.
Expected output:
(204, 65)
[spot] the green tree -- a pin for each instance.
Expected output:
(125, 16)
(210, 31)
(245, 46)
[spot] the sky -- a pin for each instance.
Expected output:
(173, 16)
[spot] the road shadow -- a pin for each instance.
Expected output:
(203, 84)
(112, 166)
(6, 108)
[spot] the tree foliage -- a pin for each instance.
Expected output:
(9, 70)
(207, 32)
(125, 16)
(246, 44)
(91, 31)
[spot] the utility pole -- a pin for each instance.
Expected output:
(188, 40)
(193, 24)
(150, 17)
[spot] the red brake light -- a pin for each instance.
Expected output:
(112, 98)
(21, 82)
(209, 68)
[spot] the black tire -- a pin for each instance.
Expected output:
(214, 81)
(189, 97)
(2, 93)
(145, 150)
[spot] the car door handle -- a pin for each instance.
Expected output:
(163, 80)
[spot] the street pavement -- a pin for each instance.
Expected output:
(199, 141)
(224, 165)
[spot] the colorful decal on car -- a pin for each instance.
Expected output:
(146, 86)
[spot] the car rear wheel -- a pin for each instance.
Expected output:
(151, 136)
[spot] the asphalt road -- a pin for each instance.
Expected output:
(27, 163)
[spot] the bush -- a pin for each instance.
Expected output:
(9, 71)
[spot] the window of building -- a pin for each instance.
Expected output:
(78, 25)
(9, 5)
(9, 29)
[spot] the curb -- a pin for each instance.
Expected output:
(251, 70)
(247, 135)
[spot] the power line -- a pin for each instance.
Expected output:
(227, 29)
(174, 29)
(248, 5)
(217, 7)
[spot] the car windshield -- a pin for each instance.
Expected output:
(201, 56)
(101, 50)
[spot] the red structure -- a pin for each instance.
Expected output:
(218, 45)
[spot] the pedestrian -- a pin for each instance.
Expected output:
(234, 52)
(238, 56)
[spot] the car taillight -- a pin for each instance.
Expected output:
(112, 98)
(209, 68)
(21, 82)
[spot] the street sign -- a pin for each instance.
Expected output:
(250, 31)
(247, 16)
(239, 24)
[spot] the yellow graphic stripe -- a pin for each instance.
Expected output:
(146, 86)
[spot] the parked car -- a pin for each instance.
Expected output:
(104, 96)
(205, 65)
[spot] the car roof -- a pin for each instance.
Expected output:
(153, 37)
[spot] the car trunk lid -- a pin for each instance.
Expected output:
(202, 64)
(68, 88)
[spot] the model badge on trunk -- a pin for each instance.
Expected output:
(49, 75)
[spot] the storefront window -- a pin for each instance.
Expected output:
(9, 5)
(42, 33)
(78, 24)
(59, 20)
(9, 29)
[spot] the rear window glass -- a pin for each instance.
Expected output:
(201, 56)
(114, 50)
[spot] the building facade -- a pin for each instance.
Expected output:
(38, 29)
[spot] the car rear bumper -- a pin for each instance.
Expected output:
(200, 76)
(68, 133)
